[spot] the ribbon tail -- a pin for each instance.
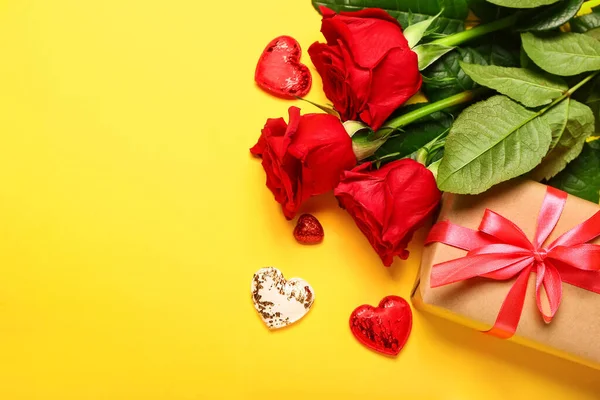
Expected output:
(471, 266)
(583, 256)
(588, 280)
(457, 236)
(512, 308)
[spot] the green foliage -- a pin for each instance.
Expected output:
(491, 142)
(539, 124)
(586, 22)
(563, 54)
(593, 101)
(407, 12)
(416, 32)
(571, 123)
(445, 77)
(428, 53)
(581, 178)
(522, 3)
(553, 16)
(530, 88)
(590, 96)
(488, 12)
(416, 135)
(595, 33)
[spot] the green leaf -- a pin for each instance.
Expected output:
(428, 53)
(415, 32)
(409, 12)
(452, 8)
(589, 94)
(586, 22)
(492, 141)
(499, 53)
(567, 142)
(556, 118)
(415, 135)
(581, 178)
(595, 33)
(553, 16)
(593, 101)
(445, 77)
(563, 54)
(532, 89)
(526, 62)
(489, 12)
(522, 3)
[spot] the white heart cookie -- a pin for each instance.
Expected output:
(280, 302)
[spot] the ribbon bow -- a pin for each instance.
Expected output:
(500, 250)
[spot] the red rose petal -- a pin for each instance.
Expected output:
(279, 70)
(384, 329)
(308, 230)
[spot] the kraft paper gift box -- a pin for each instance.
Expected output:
(574, 331)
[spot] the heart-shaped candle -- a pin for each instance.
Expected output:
(279, 70)
(385, 328)
(280, 302)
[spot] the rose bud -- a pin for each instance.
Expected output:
(362, 146)
(304, 157)
(389, 204)
(367, 67)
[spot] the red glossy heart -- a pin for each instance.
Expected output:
(384, 329)
(279, 70)
(308, 230)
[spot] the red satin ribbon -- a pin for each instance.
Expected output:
(500, 250)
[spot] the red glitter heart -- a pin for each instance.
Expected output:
(384, 329)
(308, 230)
(279, 70)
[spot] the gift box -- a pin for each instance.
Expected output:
(519, 262)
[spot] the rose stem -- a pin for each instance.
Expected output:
(569, 92)
(464, 97)
(460, 98)
(461, 37)
(422, 154)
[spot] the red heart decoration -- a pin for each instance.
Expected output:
(384, 329)
(308, 230)
(279, 70)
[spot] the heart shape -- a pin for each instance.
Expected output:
(308, 230)
(384, 329)
(280, 302)
(279, 70)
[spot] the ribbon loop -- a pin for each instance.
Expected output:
(553, 205)
(500, 250)
(504, 230)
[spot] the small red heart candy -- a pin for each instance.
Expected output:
(279, 70)
(308, 230)
(384, 329)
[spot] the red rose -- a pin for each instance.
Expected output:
(367, 68)
(303, 158)
(389, 204)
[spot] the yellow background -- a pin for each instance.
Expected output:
(132, 218)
